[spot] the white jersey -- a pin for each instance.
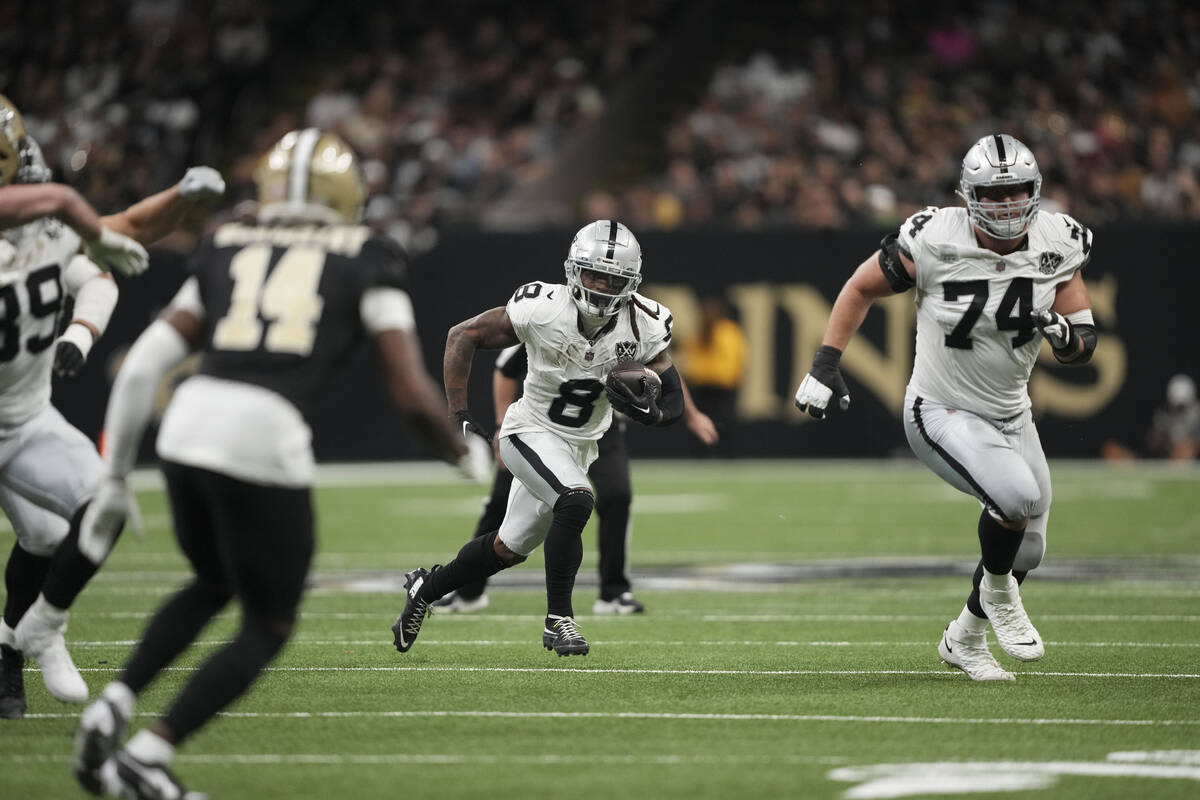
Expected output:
(564, 387)
(31, 299)
(976, 336)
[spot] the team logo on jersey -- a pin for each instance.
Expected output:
(626, 351)
(1049, 263)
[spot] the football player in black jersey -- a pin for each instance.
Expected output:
(609, 474)
(275, 308)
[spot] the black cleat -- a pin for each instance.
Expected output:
(101, 729)
(563, 637)
(142, 781)
(408, 624)
(12, 683)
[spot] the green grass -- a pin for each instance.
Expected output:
(741, 679)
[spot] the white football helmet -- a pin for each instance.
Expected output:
(1000, 160)
(606, 247)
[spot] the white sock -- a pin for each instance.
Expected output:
(996, 582)
(150, 748)
(971, 623)
(57, 617)
(120, 696)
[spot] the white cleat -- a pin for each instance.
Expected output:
(1014, 632)
(457, 604)
(969, 652)
(42, 640)
(622, 604)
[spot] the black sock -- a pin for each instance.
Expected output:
(70, 570)
(225, 675)
(472, 590)
(998, 544)
(172, 629)
(476, 561)
(973, 600)
(23, 579)
(564, 550)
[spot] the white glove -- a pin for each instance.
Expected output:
(201, 183)
(117, 253)
(1056, 328)
(112, 506)
(476, 465)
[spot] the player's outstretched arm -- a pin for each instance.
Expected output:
(152, 218)
(824, 379)
(491, 330)
(699, 424)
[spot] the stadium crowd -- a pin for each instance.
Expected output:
(849, 119)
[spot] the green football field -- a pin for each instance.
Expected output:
(789, 650)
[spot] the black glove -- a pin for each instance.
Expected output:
(68, 360)
(638, 407)
(823, 383)
(468, 424)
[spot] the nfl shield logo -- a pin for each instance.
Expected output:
(626, 351)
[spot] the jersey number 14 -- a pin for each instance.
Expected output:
(287, 299)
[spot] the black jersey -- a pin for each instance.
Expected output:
(282, 303)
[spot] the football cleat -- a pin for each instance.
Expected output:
(42, 639)
(1014, 631)
(624, 603)
(969, 652)
(408, 624)
(455, 603)
(562, 635)
(101, 729)
(138, 780)
(12, 683)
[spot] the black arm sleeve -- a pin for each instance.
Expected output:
(893, 268)
(1071, 354)
(671, 402)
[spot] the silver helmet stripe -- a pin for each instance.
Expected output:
(298, 171)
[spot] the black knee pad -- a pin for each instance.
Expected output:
(575, 505)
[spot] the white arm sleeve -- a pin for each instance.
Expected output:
(159, 348)
(385, 308)
(94, 290)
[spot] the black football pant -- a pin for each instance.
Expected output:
(246, 541)
(609, 474)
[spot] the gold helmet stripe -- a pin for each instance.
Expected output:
(301, 165)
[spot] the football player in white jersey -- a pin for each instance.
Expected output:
(47, 467)
(574, 335)
(992, 281)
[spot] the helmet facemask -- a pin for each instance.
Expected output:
(997, 163)
(608, 251)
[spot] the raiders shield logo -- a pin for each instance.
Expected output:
(626, 351)
(1049, 263)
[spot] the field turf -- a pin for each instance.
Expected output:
(789, 650)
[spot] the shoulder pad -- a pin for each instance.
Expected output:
(652, 320)
(1077, 236)
(536, 303)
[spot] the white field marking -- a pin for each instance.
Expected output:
(966, 777)
(665, 759)
(643, 503)
(692, 716)
(1157, 756)
(681, 615)
(646, 671)
(300, 640)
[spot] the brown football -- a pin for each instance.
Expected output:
(637, 377)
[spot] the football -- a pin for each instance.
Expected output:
(637, 377)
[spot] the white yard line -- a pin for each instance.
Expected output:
(300, 641)
(680, 615)
(693, 716)
(585, 670)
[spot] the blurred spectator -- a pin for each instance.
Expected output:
(713, 362)
(1175, 431)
